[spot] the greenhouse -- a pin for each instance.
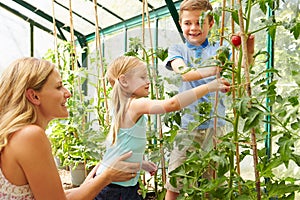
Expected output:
(203, 93)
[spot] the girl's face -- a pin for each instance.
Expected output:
(192, 31)
(138, 81)
(53, 98)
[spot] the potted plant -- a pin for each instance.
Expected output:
(75, 140)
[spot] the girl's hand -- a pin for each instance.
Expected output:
(149, 167)
(219, 84)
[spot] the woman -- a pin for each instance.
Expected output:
(31, 95)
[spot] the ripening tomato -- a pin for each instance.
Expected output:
(236, 40)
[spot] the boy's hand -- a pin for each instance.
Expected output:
(250, 44)
(208, 71)
(149, 167)
(219, 84)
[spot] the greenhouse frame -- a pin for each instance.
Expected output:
(258, 157)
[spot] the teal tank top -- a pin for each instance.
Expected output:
(128, 139)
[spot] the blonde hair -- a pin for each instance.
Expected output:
(119, 97)
(15, 110)
(190, 5)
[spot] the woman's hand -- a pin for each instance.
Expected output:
(118, 171)
(121, 170)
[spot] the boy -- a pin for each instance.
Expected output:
(180, 60)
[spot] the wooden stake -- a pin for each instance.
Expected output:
(245, 64)
(101, 73)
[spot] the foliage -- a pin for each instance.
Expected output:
(75, 139)
(266, 113)
(268, 106)
(137, 49)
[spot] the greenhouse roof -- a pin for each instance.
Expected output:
(112, 14)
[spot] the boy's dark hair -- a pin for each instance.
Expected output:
(189, 5)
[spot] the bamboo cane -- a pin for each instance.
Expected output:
(101, 74)
(154, 75)
(74, 65)
(55, 35)
(237, 151)
(245, 64)
(217, 92)
(73, 49)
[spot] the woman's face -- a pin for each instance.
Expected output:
(53, 98)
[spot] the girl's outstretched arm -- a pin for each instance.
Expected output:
(179, 101)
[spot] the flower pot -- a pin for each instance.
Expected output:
(77, 174)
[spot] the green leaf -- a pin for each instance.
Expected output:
(162, 54)
(243, 107)
(223, 53)
(235, 16)
(293, 100)
(296, 30)
(296, 159)
(262, 5)
(253, 118)
(272, 32)
(285, 144)
(279, 189)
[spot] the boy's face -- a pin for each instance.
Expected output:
(191, 29)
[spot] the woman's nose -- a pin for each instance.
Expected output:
(67, 93)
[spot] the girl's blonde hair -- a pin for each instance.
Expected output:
(190, 5)
(119, 97)
(15, 110)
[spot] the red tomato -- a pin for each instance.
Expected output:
(236, 40)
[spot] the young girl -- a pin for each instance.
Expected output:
(129, 79)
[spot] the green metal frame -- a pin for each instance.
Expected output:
(269, 65)
(49, 18)
(133, 22)
(29, 20)
(175, 16)
(170, 9)
(78, 15)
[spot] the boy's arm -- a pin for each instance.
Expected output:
(190, 74)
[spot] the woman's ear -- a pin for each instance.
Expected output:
(32, 97)
(123, 80)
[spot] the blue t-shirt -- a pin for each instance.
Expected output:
(128, 139)
(190, 53)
